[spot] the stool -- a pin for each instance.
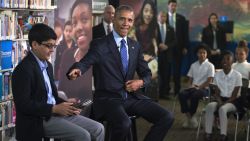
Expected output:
(132, 136)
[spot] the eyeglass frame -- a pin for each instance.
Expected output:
(49, 46)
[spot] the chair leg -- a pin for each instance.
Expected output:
(199, 125)
(236, 127)
(248, 124)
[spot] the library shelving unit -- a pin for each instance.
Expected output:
(13, 47)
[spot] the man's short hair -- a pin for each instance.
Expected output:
(173, 1)
(41, 32)
(67, 23)
(123, 7)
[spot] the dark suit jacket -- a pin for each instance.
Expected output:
(170, 41)
(208, 37)
(182, 33)
(30, 97)
(108, 73)
(98, 31)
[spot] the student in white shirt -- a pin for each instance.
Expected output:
(227, 85)
(243, 67)
(200, 76)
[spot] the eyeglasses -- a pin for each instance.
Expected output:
(49, 46)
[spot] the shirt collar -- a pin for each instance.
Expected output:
(42, 64)
(172, 14)
(106, 24)
(203, 62)
(118, 38)
(161, 23)
(242, 62)
(229, 74)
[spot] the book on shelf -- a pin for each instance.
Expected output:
(20, 50)
(32, 4)
(7, 114)
(6, 54)
(6, 88)
(1, 86)
(8, 21)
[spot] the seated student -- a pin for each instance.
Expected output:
(39, 110)
(227, 85)
(200, 76)
(243, 67)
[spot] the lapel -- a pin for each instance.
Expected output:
(51, 79)
(102, 28)
(114, 49)
(132, 54)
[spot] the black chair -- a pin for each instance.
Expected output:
(132, 136)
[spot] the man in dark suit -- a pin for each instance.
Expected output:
(166, 43)
(116, 58)
(39, 111)
(106, 26)
(180, 25)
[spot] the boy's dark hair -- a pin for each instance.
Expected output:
(225, 53)
(174, 1)
(77, 2)
(67, 23)
(205, 47)
(41, 32)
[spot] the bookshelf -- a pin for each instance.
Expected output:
(13, 48)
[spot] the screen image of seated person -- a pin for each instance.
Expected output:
(115, 59)
(39, 111)
(227, 86)
(81, 20)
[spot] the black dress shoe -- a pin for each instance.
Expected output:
(208, 137)
(223, 138)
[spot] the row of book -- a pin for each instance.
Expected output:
(7, 115)
(8, 21)
(11, 53)
(5, 83)
(32, 4)
(13, 26)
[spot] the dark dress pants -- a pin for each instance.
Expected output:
(193, 95)
(116, 112)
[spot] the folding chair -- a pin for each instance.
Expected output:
(209, 99)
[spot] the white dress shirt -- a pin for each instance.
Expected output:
(227, 82)
(105, 25)
(200, 72)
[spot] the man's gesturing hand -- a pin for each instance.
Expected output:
(74, 74)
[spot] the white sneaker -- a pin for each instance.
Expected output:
(194, 122)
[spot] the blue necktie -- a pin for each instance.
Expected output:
(124, 57)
